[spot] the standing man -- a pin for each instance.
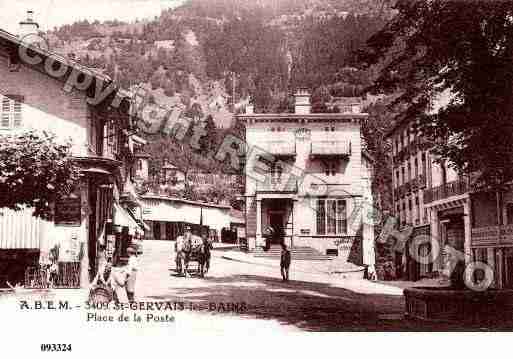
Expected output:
(285, 262)
(207, 247)
(182, 247)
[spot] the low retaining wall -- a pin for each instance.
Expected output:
(445, 304)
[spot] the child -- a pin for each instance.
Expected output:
(285, 261)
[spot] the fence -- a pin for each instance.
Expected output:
(67, 276)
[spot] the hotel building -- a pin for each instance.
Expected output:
(309, 181)
(431, 198)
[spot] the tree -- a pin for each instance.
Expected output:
(34, 170)
(164, 150)
(208, 142)
(374, 132)
(463, 49)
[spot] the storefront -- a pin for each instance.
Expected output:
(166, 217)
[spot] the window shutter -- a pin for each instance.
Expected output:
(12, 107)
(6, 111)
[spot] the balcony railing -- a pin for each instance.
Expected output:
(280, 148)
(447, 190)
(330, 149)
(492, 235)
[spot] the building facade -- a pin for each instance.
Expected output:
(431, 198)
(308, 181)
(166, 217)
(35, 98)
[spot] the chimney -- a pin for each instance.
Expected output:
(28, 27)
(302, 103)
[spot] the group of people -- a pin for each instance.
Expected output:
(122, 279)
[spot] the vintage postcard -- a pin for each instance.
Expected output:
(253, 168)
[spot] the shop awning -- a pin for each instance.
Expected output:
(124, 219)
(20, 230)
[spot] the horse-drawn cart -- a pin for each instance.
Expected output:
(192, 250)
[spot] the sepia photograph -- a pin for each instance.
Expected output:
(252, 169)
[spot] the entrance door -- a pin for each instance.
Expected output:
(276, 223)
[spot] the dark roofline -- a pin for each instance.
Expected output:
(396, 126)
(186, 201)
(309, 116)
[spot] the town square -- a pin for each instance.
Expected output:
(228, 165)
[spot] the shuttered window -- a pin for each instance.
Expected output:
(11, 112)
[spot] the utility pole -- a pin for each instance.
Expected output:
(233, 91)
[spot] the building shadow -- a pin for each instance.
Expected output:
(307, 306)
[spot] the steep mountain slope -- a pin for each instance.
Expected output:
(212, 55)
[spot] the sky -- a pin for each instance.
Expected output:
(51, 13)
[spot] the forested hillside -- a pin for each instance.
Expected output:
(217, 53)
(212, 56)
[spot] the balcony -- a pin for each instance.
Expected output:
(280, 149)
(492, 236)
(330, 149)
(450, 189)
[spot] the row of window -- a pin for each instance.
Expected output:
(283, 129)
(404, 138)
(404, 173)
(276, 170)
(408, 211)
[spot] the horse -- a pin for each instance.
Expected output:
(204, 256)
(193, 249)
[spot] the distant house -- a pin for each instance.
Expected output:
(141, 168)
(173, 177)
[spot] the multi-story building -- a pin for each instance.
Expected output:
(141, 169)
(308, 181)
(34, 96)
(431, 198)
